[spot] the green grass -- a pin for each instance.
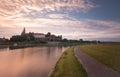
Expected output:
(68, 66)
(108, 54)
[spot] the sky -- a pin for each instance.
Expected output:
(74, 19)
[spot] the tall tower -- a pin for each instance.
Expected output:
(23, 32)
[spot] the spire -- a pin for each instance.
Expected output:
(23, 32)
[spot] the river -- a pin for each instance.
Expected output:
(29, 62)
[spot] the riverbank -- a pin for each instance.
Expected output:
(107, 54)
(68, 66)
(17, 45)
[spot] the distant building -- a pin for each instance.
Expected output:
(23, 32)
(3, 39)
(51, 37)
(39, 36)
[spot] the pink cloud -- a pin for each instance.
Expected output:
(58, 16)
(83, 28)
(14, 7)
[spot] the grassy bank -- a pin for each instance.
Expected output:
(108, 54)
(68, 66)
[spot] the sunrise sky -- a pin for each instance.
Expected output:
(74, 19)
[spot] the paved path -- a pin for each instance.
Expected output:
(93, 67)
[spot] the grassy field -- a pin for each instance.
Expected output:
(68, 66)
(108, 54)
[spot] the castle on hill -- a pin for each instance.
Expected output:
(41, 36)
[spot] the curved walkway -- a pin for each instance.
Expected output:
(92, 66)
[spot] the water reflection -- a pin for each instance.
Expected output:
(29, 62)
(4, 48)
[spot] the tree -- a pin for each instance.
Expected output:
(31, 36)
(18, 38)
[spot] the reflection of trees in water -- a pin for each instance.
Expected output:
(54, 51)
(23, 53)
(33, 61)
(4, 48)
(50, 50)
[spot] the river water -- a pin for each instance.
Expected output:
(29, 62)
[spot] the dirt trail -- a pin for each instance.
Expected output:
(93, 67)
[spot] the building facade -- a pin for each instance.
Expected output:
(39, 36)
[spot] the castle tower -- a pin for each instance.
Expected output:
(23, 32)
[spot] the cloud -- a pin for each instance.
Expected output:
(9, 31)
(83, 28)
(15, 7)
(53, 16)
(58, 16)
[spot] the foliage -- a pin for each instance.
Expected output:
(39, 42)
(31, 36)
(21, 38)
(17, 38)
